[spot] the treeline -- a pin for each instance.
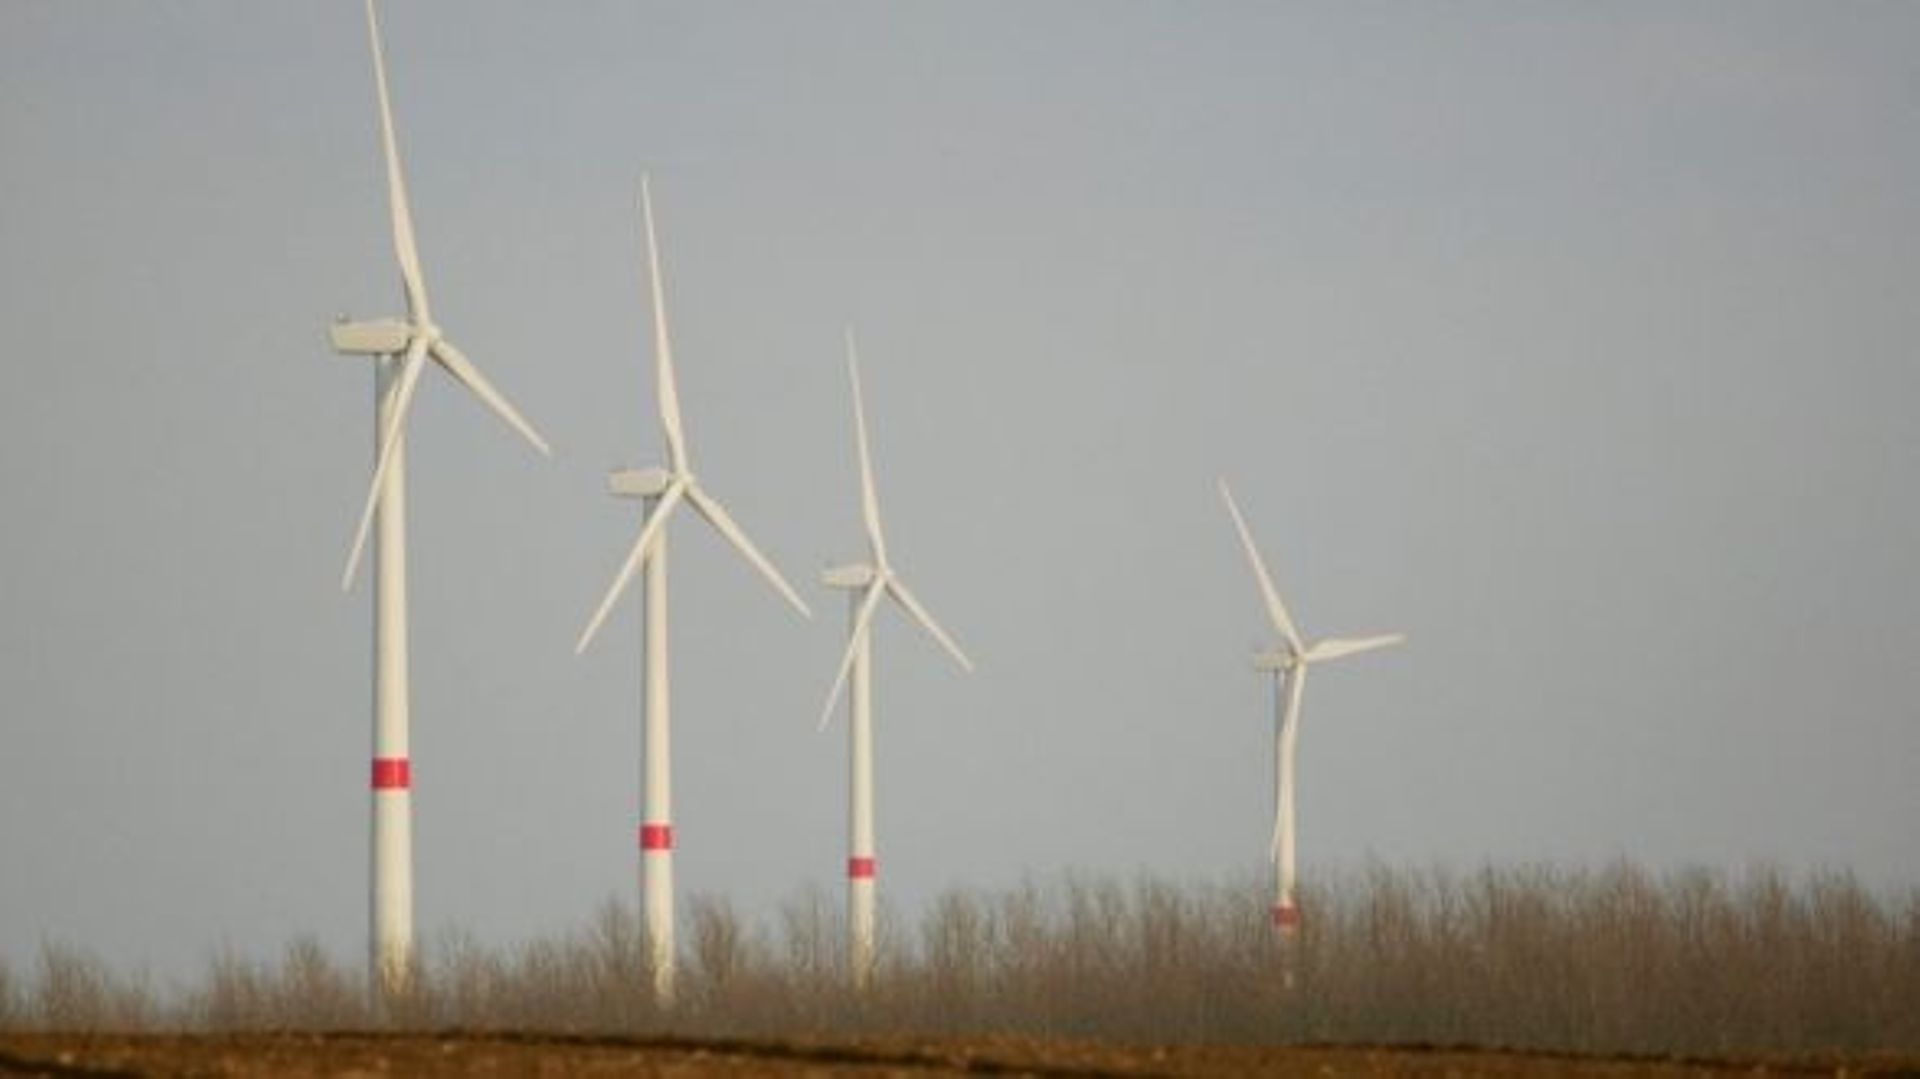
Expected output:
(1613, 960)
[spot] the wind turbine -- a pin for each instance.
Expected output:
(402, 347)
(1289, 663)
(866, 583)
(662, 490)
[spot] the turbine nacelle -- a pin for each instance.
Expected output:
(378, 337)
(1276, 661)
(849, 578)
(639, 482)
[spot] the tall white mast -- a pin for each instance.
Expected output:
(656, 785)
(390, 938)
(861, 862)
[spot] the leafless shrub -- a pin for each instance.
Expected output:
(728, 973)
(237, 995)
(622, 989)
(1615, 959)
(545, 988)
(814, 946)
(9, 1008)
(954, 961)
(316, 994)
(71, 993)
(473, 985)
(74, 991)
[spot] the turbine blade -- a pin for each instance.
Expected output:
(404, 247)
(1334, 647)
(462, 369)
(642, 544)
(1289, 729)
(717, 516)
(664, 386)
(1276, 610)
(926, 621)
(869, 501)
(861, 622)
(395, 421)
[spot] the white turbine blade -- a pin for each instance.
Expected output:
(462, 369)
(1296, 685)
(869, 501)
(1276, 610)
(926, 621)
(861, 622)
(664, 387)
(402, 391)
(642, 544)
(1334, 648)
(723, 523)
(403, 242)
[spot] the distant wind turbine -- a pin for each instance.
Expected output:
(1289, 663)
(866, 584)
(403, 347)
(662, 490)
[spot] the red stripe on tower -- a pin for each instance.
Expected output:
(1286, 917)
(860, 868)
(392, 774)
(656, 837)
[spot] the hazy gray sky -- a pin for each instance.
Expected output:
(1573, 340)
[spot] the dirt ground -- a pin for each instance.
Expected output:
(374, 1055)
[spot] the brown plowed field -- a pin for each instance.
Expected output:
(370, 1055)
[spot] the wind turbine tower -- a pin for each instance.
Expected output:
(1288, 663)
(401, 347)
(661, 491)
(866, 584)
